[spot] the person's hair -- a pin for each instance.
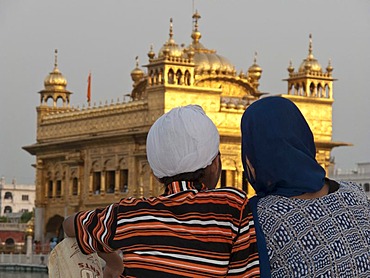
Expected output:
(190, 176)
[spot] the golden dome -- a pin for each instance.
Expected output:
(255, 71)
(212, 63)
(310, 63)
(55, 80)
(170, 48)
(207, 60)
(137, 73)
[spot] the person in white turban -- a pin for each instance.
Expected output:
(182, 144)
(193, 229)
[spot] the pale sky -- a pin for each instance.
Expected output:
(106, 36)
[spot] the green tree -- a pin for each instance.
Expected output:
(3, 219)
(26, 216)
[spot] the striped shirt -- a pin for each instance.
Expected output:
(183, 233)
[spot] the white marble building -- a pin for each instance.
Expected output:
(16, 198)
(360, 175)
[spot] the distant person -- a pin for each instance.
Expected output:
(53, 243)
(307, 225)
(192, 230)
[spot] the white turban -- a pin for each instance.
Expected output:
(181, 141)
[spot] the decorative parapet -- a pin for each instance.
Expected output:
(92, 120)
(171, 59)
(311, 74)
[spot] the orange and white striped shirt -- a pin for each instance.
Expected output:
(184, 233)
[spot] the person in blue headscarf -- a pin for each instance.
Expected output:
(307, 225)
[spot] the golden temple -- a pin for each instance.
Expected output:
(91, 156)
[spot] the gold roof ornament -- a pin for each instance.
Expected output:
(196, 35)
(170, 48)
(310, 64)
(290, 67)
(137, 73)
(255, 71)
(207, 61)
(329, 68)
(30, 226)
(55, 81)
(151, 53)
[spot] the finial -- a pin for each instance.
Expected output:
(310, 46)
(137, 61)
(329, 68)
(255, 57)
(55, 58)
(171, 28)
(290, 68)
(151, 53)
(196, 35)
(196, 16)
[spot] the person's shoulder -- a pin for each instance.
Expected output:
(353, 188)
(232, 191)
(350, 185)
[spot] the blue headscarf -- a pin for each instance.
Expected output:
(278, 155)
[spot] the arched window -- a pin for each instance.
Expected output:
(9, 241)
(59, 189)
(110, 181)
(312, 89)
(151, 77)
(8, 209)
(228, 178)
(8, 195)
(75, 186)
(161, 79)
(123, 181)
(60, 101)
(96, 182)
(319, 90)
(179, 77)
(156, 77)
(171, 77)
(296, 89)
(50, 189)
(327, 91)
(187, 78)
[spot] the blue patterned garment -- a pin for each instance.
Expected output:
(323, 237)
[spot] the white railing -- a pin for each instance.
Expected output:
(35, 259)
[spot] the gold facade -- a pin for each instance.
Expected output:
(90, 157)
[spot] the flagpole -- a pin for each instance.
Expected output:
(89, 89)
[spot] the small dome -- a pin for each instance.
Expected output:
(170, 47)
(207, 60)
(255, 71)
(55, 80)
(210, 61)
(137, 73)
(172, 50)
(310, 63)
